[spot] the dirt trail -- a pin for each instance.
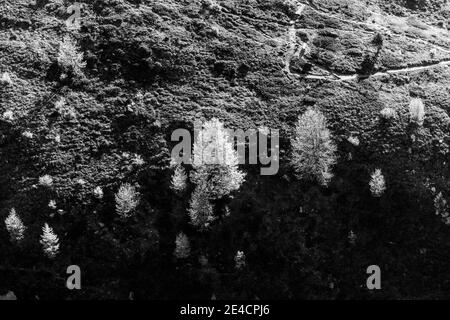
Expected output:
(336, 77)
(294, 50)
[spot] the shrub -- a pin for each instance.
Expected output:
(69, 59)
(377, 183)
(182, 246)
(367, 65)
(8, 296)
(5, 79)
(49, 241)
(216, 161)
(137, 160)
(60, 104)
(39, 49)
(66, 111)
(15, 227)
(288, 7)
(127, 199)
(52, 204)
(418, 4)
(239, 260)
(27, 134)
(441, 208)
(46, 181)
(354, 141)
(314, 152)
(378, 40)
(8, 115)
(388, 113)
(98, 192)
(211, 5)
(417, 111)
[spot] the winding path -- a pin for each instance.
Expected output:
(381, 73)
(295, 51)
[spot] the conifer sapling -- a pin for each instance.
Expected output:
(417, 111)
(377, 183)
(49, 241)
(15, 227)
(441, 208)
(182, 246)
(69, 58)
(127, 199)
(179, 178)
(239, 260)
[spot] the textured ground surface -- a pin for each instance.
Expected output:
(159, 65)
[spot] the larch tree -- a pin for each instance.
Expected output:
(441, 208)
(377, 184)
(314, 152)
(69, 57)
(182, 246)
(417, 111)
(49, 242)
(200, 209)
(15, 227)
(215, 161)
(179, 178)
(127, 199)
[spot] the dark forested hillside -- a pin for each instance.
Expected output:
(87, 111)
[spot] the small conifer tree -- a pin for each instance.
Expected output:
(441, 208)
(127, 199)
(69, 58)
(46, 180)
(49, 242)
(377, 183)
(182, 246)
(15, 227)
(200, 210)
(98, 192)
(417, 111)
(179, 178)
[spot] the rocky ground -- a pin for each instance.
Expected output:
(154, 66)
